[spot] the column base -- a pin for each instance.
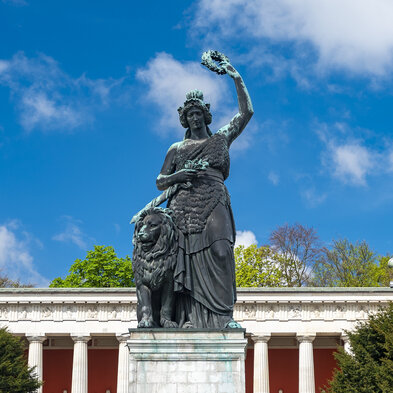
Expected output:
(187, 361)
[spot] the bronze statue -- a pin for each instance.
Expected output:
(192, 178)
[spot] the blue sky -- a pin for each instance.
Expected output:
(88, 99)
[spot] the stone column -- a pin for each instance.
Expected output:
(261, 363)
(79, 364)
(35, 354)
(347, 345)
(306, 363)
(122, 370)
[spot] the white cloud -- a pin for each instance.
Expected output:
(313, 197)
(16, 261)
(169, 80)
(352, 162)
(389, 161)
(353, 159)
(273, 177)
(355, 35)
(38, 109)
(3, 66)
(49, 99)
(245, 238)
(72, 233)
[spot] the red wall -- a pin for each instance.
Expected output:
(249, 370)
(102, 372)
(284, 369)
(57, 370)
(324, 364)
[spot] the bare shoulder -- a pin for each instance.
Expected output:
(175, 146)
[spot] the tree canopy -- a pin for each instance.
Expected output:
(296, 257)
(297, 248)
(369, 369)
(257, 267)
(349, 264)
(101, 268)
(15, 375)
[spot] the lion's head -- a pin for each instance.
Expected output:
(155, 237)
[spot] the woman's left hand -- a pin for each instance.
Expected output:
(230, 69)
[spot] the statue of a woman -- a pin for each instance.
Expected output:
(205, 270)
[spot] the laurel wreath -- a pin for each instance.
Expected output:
(210, 58)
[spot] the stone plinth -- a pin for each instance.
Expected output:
(187, 361)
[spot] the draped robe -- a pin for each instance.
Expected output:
(205, 285)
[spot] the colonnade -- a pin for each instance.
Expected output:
(261, 361)
(306, 362)
(80, 363)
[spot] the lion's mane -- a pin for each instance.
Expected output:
(150, 266)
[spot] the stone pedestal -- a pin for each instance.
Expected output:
(187, 361)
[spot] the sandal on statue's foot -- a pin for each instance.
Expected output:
(233, 325)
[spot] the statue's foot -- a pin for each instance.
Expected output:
(166, 323)
(146, 323)
(233, 325)
(188, 325)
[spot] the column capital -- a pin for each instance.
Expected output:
(347, 344)
(261, 337)
(84, 338)
(344, 337)
(36, 337)
(305, 337)
(122, 337)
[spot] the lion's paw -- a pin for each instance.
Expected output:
(168, 324)
(146, 323)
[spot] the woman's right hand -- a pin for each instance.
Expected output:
(184, 176)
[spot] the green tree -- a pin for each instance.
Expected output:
(15, 375)
(101, 268)
(369, 369)
(386, 271)
(257, 267)
(349, 264)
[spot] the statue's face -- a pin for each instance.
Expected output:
(195, 118)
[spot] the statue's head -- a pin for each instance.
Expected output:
(194, 99)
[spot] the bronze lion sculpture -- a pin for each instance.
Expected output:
(155, 250)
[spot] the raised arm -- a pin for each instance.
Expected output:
(240, 120)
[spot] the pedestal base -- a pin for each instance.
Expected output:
(187, 361)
